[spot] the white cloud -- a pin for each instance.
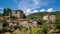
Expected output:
(28, 5)
(42, 10)
(29, 11)
(34, 11)
(32, 4)
(1, 8)
(50, 10)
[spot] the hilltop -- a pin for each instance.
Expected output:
(41, 14)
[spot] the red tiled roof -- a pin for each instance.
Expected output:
(13, 20)
(30, 21)
(24, 19)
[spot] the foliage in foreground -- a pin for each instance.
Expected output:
(45, 29)
(23, 28)
(57, 23)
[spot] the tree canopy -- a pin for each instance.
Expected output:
(7, 12)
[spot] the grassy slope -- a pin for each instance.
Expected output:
(41, 14)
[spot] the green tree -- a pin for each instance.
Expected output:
(1, 14)
(57, 23)
(40, 21)
(23, 28)
(13, 17)
(4, 11)
(24, 16)
(5, 23)
(7, 12)
(45, 29)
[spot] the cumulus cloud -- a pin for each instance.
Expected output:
(50, 10)
(32, 4)
(29, 11)
(34, 11)
(28, 5)
(42, 10)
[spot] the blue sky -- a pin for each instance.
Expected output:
(30, 6)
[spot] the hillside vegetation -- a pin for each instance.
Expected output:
(41, 14)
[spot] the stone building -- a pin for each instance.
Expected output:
(50, 20)
(14, 13)
(20, 21)
(13, 23)
(45, 18)
(23, 22)
(29, 22)
(18, 13)
(49, 17)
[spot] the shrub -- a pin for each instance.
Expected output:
(57, 23)
(13, 17)
(7, 30)
(45, 29)
(23, 28)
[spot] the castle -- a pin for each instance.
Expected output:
(18, 13)
(20, 21)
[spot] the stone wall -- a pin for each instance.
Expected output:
(17, 13)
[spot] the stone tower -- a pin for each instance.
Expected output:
(18, 13)
(14, 13)
(52, 18)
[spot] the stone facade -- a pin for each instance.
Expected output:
(34, 23)
(45, 17)
(14, 13)
(12, 23)
(17, 13)
(48, 18)
(23, 22)
(52, 18)
(20, 21)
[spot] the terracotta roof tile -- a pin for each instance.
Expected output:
(12, 21)
(24, 19)
(30, 21)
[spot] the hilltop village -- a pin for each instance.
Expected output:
(19, 20)
(15, 19)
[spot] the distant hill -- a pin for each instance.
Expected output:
(41, 14)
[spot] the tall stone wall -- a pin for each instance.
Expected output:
(17, 13)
